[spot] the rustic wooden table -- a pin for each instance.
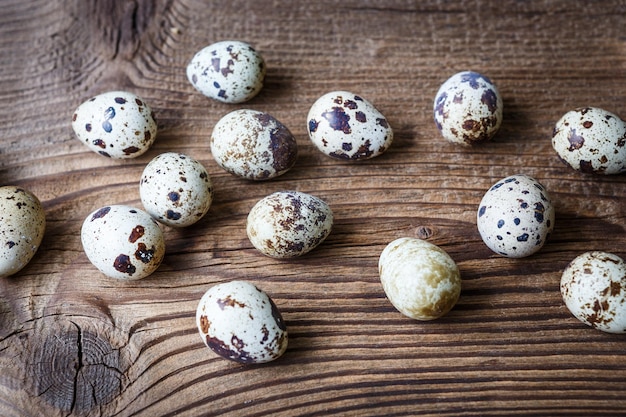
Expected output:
(73, 342)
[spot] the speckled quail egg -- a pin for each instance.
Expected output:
(227, 71)
(515, 216)
(123, 242)
(468, 108)
(176, 189)
(593, 287)
(286, 224)
(116, 124)
(420, 279)
(240, 322)
(591, 140)
(22, 226)
(253, 145)
(343, 125)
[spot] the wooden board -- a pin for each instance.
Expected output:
(73, 342)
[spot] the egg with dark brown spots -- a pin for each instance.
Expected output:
(344, 125)
(227, 71)
(240, 322)
(22, 227)
(287, 224)
(468, 108)
(593, 287)
(116, 124)
(591, 140)
(516, 216)
(176, 189)
(123, 242)
(253, 145)
(420, 279)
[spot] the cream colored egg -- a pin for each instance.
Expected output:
(420, 279)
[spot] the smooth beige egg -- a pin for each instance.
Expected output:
(420, 279)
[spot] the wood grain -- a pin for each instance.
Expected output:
(73, 342)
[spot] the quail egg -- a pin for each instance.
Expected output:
(591, 140)
(420, 279)
(116, 124)
(240, 322)
(593, 287)
(253, 145)
(516, 216)
(344, 125)
(468, 108)
(22, 227)
(286, 224)
(227, 71)
(176, 189)
(123, 242)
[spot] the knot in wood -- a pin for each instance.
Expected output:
(424, 232)
(121, 24)
(75, 370)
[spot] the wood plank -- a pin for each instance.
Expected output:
(73, 342)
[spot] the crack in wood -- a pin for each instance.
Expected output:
(79, 366)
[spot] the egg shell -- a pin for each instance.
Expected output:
(515, 216)
(593, 287)
(123, 242)
(228, 71)
(176, 189)
(420, 279)
(116, 124)
(240, 322)
(22, 227)
(344, 125)
(253, 145)
(591, 140)
(287, 224)
(468, 108)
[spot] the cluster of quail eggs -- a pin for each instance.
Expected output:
(236, 319)
(516, 215)
(127, 243)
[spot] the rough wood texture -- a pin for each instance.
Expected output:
(73, 342)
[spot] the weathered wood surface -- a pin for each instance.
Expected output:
(73, 342)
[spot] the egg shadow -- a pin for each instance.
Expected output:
(517, 124)
(276, 86)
